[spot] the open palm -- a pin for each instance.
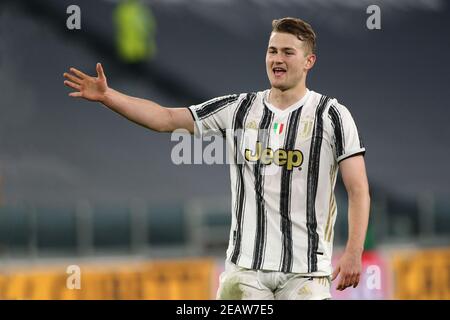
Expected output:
(91, 88)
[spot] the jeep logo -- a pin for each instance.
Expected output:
(289, 158)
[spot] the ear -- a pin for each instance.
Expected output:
(310, 60)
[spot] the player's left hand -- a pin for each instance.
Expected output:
(349, 268)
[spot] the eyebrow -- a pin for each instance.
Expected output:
(285, 48)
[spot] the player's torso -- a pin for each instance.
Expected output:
(276, 143)
(283, 156)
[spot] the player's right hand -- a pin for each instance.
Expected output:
(91, 88)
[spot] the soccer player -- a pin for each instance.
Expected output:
(286, 145)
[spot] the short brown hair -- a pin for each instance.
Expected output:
(301, 29)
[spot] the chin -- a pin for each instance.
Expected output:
(279, 86)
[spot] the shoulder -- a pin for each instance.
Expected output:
(318, 104)
(250, 98)
(328, 103)
(259, 95)
(239, 97)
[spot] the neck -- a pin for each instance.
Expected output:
(283, 99)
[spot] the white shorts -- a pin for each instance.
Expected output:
(237, 283)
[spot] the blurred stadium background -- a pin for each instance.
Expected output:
(79, 185)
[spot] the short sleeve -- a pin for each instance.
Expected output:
(346, 139)
(214, 116)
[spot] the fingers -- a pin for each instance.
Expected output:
(75, 94)
(78, 73)
(72, 78)
(342, 281)
(72, 85)
(348, 280)
(100, 72)
(356, 281)
(335, 273)
(341, 285)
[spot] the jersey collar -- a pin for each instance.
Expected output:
(291, 108)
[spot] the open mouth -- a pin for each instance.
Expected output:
(278, 71)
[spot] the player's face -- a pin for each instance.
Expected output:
(286, 61)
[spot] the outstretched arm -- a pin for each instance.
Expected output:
(354, 176)
(143, 112)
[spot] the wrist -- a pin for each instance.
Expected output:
(106, 97)
(355, 250)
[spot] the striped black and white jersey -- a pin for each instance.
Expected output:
(283, 169)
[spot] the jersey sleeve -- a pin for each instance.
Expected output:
(214, 116)
(346, 139)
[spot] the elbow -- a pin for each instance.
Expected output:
(161, 120)
(166, 122)
(162, 129)
(155, 128)
(166, 127)
(163, 125)
(360, 197)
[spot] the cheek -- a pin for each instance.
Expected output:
(268, 66)
(299, 65)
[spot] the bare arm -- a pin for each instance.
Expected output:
(143, 112)
(354, 176)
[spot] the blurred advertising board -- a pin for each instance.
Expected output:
(421, 274)
(397, 274)
(189, 279)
